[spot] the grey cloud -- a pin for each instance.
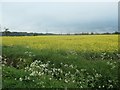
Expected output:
(60, 17)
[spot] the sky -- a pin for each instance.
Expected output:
(60, 17)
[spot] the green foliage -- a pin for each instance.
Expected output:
(41, 67)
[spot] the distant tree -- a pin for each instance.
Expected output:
(107, 33)
(6, 31)
(116, 32)
(68, 33)
(35, 34)
(92, 33)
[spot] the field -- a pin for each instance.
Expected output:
(73, 61)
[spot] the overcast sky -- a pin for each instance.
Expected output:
(60, 17)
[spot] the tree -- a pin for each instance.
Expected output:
(92, 33)
(116, 32)
(6, 31)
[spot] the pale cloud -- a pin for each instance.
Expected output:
(59, 0)
(60, 17)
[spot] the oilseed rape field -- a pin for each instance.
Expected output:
(60, 61)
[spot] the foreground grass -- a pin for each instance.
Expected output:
(57, 66)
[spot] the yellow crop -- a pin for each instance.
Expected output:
(77, 43)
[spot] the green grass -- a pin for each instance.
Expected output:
(92, 60)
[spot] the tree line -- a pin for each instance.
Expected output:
(7, 32)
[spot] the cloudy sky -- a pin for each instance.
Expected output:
(60, 17)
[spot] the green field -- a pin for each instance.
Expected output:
(73, 61)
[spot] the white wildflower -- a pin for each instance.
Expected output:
(20, 79)
(66, 81)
